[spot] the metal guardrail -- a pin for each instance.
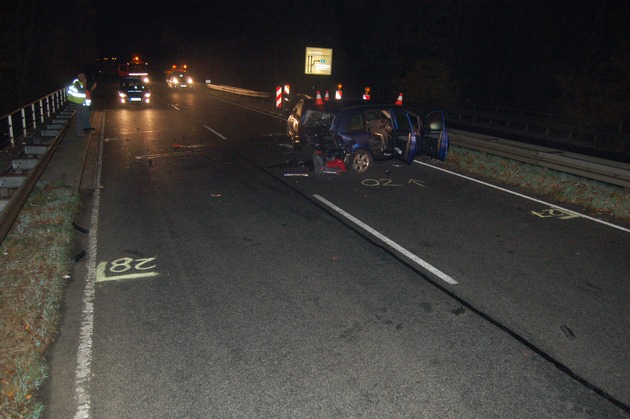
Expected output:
(612, 172)
(20, 121)
(543, 126)
(27, 150)
(239, 91)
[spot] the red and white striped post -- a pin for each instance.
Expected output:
(278, 97)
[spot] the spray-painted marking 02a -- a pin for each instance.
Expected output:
(389, 182)
(126, 268)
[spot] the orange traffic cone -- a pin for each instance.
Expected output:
(326, 96)
(399, 100)
(318, 99)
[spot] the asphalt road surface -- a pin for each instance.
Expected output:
(223, 278)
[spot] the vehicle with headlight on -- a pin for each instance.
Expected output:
(135, 68)
(179, 78)
(134, 90)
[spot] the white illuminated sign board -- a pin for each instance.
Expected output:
(318, 61)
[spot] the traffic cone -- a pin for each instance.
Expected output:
(399, 100)
(326, 96)
(318, 99)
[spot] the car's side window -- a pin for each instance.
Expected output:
(379, 120)
(314, 118)
(403, 122)
(356, 123)
(416, 124)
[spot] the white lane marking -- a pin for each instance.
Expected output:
(86, 331)
(425, 265)
(627, 230)
(216, 133)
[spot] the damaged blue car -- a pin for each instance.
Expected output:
(361, 133)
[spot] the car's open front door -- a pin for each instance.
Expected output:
(435, 141)
(405, 136)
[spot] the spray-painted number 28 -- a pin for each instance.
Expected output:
(125, 264)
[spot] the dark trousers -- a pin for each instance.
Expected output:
(83, 117)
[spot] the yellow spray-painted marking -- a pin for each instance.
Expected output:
(389, 182)
(555, 213)
(126, 268)
(173, 154)
(378, 182)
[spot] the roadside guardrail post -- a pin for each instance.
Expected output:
(57, 101)
(34, 115)
(11, 136)
(41, 110)
(23, 114)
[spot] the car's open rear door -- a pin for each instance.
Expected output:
(435, 141)
(405, 137)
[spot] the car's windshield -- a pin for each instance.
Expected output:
(133, 85)
(316, 118)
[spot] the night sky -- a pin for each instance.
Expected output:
(533, 54)
(502, 51)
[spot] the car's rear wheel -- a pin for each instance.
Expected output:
(359, 161)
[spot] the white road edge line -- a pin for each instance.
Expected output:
(86, 331)
(425, 265)
(216, 133)
(627, 230)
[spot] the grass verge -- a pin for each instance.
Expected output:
(35, 266)
(594, 197)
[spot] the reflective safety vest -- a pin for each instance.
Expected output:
(76, 92)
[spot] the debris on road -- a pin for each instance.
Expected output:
(567, 332)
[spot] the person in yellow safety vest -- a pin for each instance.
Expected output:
(79, 93)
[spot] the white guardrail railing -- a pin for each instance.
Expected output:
(20, 121)
(29, 137)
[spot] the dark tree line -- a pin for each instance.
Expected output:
(566, 58)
